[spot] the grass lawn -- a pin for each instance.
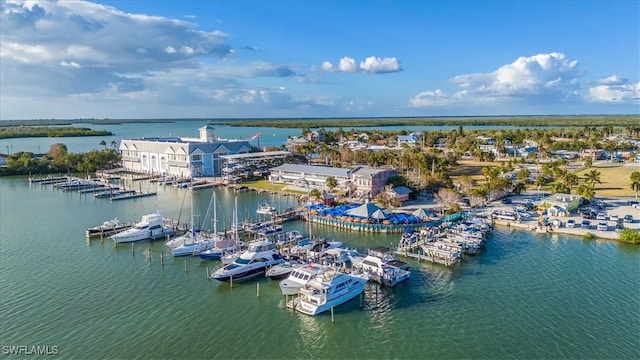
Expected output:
(264, 185)
(615, 179)
(471, 168)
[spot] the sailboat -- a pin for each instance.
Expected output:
(228, 258)
(192, 242)
(221, 245)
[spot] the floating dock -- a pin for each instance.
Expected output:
(132, 196)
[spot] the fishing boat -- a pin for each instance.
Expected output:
(328, 289)
(251, 263)
(150, 227)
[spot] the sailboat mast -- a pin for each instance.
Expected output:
(235, 219)
(193, 230)
(215, 215)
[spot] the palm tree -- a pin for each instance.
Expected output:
(635, 182)
(593, 177)
(103, 143)
(558, 187)
(331, 183)
(586, 190)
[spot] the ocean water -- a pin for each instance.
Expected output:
(526, 296)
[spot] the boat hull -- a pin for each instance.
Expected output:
(311, 308)
(248, 272)
(148, 235)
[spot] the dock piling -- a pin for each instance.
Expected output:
(332, 319)
(133, 253)
(185, 266)
(257, 289)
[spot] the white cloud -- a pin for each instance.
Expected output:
(372, 65)
(615, 90)
(70, 64)
(547, 78)
(347, 64)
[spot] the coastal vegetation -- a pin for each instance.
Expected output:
(630, 236)
(7, 132)
(59, 160)
(519, 121)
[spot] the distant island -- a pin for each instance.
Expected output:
(516, 120)
(7, 132)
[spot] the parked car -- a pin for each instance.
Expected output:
(635, 205)
(506, 200)
(614, 217)
(602, 226)
(601, 216)
(586, 224)
(628, 218)
(571, 223)
(588, 215)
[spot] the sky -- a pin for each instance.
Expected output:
(304, 59)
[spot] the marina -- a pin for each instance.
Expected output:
(560, 270)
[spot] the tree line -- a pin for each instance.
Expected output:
(59, 160)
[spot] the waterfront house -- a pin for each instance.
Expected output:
(180, 156)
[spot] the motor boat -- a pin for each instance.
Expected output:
(299, 276)
(328, 289)
(321, 246)
(266, 209)
(150, 227)
(383, 267)
(108, 227)
(282, 270)
(251, 263)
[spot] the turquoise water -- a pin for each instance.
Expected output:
(526, 296)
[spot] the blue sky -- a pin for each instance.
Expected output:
(239, 59)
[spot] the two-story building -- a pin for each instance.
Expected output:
(361, 180)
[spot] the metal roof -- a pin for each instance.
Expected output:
(314, 170)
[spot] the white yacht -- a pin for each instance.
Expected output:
(266, 209)
(328, 289)
(382, 266)
(251, 263)
(150, 227)
(299, 276)
(282, 270)
(320, 247)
